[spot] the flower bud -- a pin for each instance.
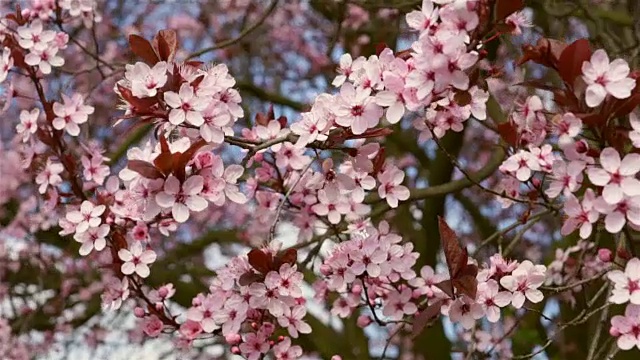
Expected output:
(363, 321)
(235, 350)
(605, 255)
(614, 332)
(233, 339)
(138, 312)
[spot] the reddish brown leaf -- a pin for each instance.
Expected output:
(164, 145)
(424, 318)
(260, 260)
(462, 274)
(143, 49)
(145, 169)
(462, 98)
(372, 133)
(378, 161)
(446, 286)
(455, 255)
(289, 256)
(508, 133)
(249, 278)
(571, 59)
(166, 44)
(504, 8)
(140, 106)
(466, 282)
(164, 163)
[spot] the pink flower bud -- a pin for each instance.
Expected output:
(536, 182)
(357, 289)
(235, 350)
(325, 269)
(605, 255)
(163, 292)
(159, 306)
(614, 332)
(233, 339)
(138, 312)
(336, 357)
(363, 321)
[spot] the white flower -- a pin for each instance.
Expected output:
(136, 259)
(183, 198)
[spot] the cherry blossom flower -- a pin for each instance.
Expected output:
(357, 110)
(291, 319)
(333, 207)
(136, 259)
(580, 215)
(426, 283)
(627, 328)
(524, 282)
(254, 346)
(425, 18)
(28, 123)
(94, 169)
(287, 280)
(518, 20)
(44, 59)
(34, 37)
(492, 299)
(204, 311)
(617, 177)
(390, 186)
(309, 128)
(185, 106)
(284, 351)
(626, 284)
(182, 198)
(152, 326)
(70, 114)
(93, 238)
(567, 178)
(521, 164)
(399, 304)
(87, 216)
(465, 311)
(567, 127)
(345, 69)
(604, 77)
(146, 81)
(616, 216)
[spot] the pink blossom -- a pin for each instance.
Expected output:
(146, 81)
(390, 187)
(71, 113)
(465, 311)
(524, 282)
(292, 320)
(287, 280)
(182, 198)
(44, 59)
(152, 326)
(87, 216)
(204, 310)
(399, 304)
(190, 329)
(49, 176)
(284, 351)
(567, 178)
(626, 284)
(603, 77)
(521, 165)
(136, 259)
(627, 328)
(617, 177)
(6, 63)
(580, 215)
(330, 206)
(616, 216)
(93, 238)
(28, 123)
(254, 346)
(357, 109)
(492, 299)
(94, 169)
(425, 18)
(185, 106)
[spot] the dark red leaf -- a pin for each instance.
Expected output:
(145, 169)
(571, 59)
(462, 98)
(249, 278)
(424, 317)
(462, 274)
(504, 8)
(289, 256)
(164, 145)
(455, 254)
(260, 261)
(143, 49)
(378, 161)
(446, 286)
(466, 282)
(164, 163)
(166, 44)
(372, 133)
(508, 133)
